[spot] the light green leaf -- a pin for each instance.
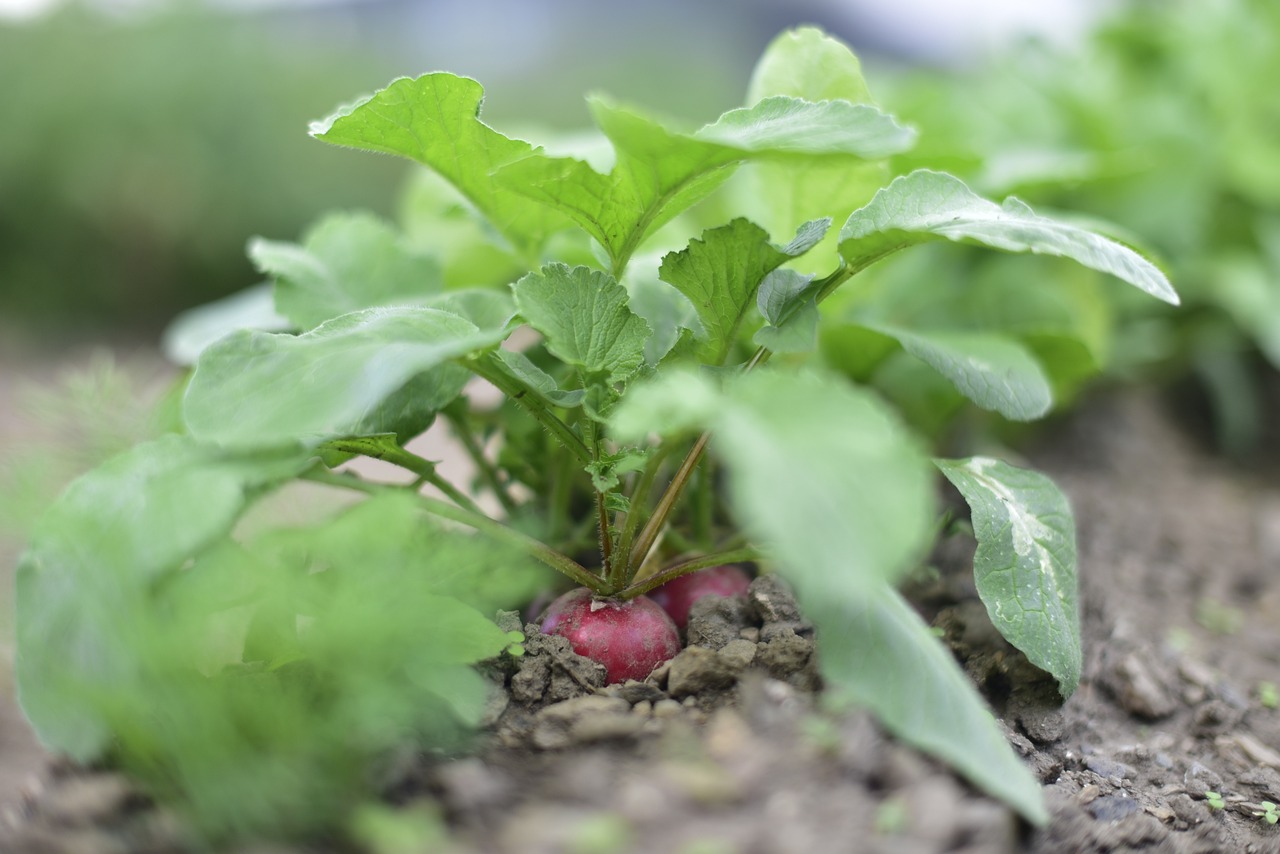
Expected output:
(538, 380)
(434, 119)
(848, 507)
(668, 312)
(659, 172)
(928, 205)
(95, 556)
(807, 63)
(720, 274)
(194, 329)
(1025, 566)
(585, 317)
(607, 470)
(843, 512)
(347, 261)
(488, 308)
(994, 371)
(877, 652)
(340, 379)
(788, 301)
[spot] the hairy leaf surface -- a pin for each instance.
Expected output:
(1025, 566)
(586, 319)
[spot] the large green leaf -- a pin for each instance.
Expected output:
(994, 371)
(434, 119)
(96, 554)
(806, 63)
(339, 379)
(347, 261)
(586, 319)
(721, 272)
(819, 471)
(926, 205)
(660, 172)
(1025, 566)
(824, 476)
(877, 652)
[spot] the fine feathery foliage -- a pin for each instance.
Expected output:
(683, 396)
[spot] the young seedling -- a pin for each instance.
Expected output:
(666, 412)
(1214, 800)
(1268, 812)
(1268, 695)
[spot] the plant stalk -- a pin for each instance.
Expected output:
(532, 403)
(640, 586)
(425, 469)
(486, 468)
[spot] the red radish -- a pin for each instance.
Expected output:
(678, 595)
(630, 638)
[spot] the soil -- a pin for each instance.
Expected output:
(723, 751)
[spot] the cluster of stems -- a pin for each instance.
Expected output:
(627, 539)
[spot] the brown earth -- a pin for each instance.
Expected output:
(1180, 584)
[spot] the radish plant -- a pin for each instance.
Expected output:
(663, 409)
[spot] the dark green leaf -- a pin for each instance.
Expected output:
(1025, 565)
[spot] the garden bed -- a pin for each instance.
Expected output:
(1180, 601)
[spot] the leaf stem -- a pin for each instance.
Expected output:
(649, 534)
(640, 586)
(487, 368)
(536, 548)
(425, 469)
(639, 499)
(690, 463)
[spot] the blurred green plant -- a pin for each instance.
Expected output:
(1166, 121)
(137, 155)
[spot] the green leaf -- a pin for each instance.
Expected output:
(843, 512)
(659, 172)
(927, 205)
(606, 471)
(434, 119)
(877, 652)
(848, 507)
(585, 317)
(340, 379)
(720, 274)
(1025, 566)
(95, 556)
(539, 380)
(668, 312)
(347, 261)
(788, 301)
(195, 329)
(993, 371)
(807, 63)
